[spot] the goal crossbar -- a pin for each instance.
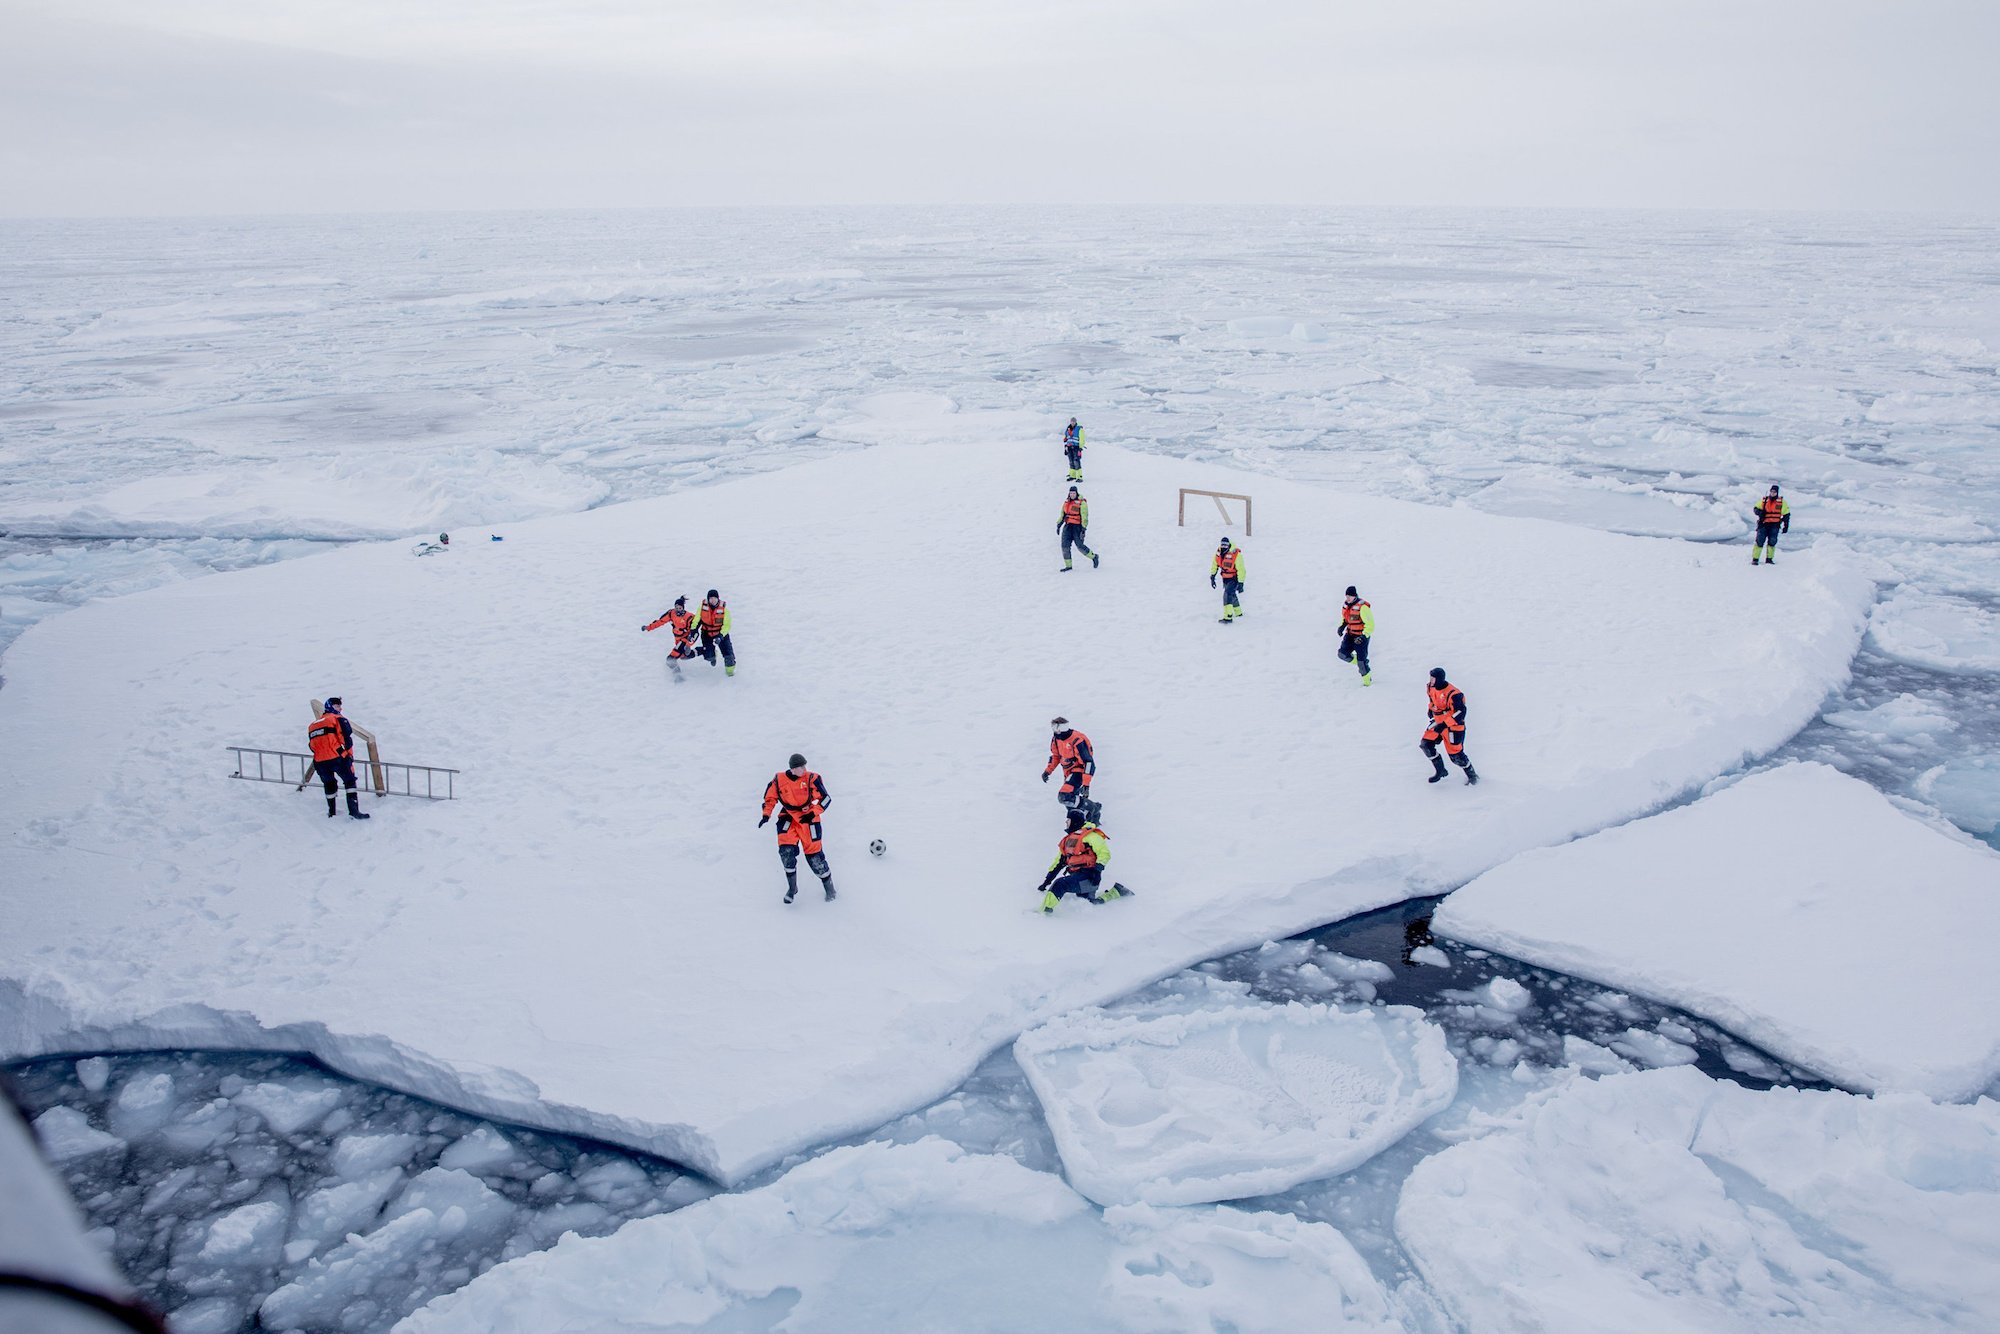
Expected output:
(1223, 510)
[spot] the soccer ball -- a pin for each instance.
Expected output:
(877, 846)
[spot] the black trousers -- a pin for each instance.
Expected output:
(1354, 649)
(1072, 535)
(1084, 884)
(341, 770)
(1767, 535)
(708, 647)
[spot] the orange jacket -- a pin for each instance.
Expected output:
(803, 798)
(681, 619)
(331, 737)
(1073, 752)
(1447, 706)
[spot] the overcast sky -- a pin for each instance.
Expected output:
(205, 106)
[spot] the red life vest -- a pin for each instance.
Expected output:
(1225, 563)
(683, 622)
(1773, 509)
(327, 742)
(1073, 512)
(1444, 704)
(711, 617)
(1066, 750)
(1078, 855)
(1352, 615)
(797, 795)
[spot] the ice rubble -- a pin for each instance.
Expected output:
(1231, 1102)
(1945, 634)
(1797, 908)
(832, 1244)
(586, 919)
(239, 1184)
(1665, 1200)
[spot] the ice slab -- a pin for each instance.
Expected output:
(568, 944)
(1610, 505)
(1797, 908)
(1228, 1103)
(1666, 1200)
(1945, 634)
(357, 494)
(883, 1236)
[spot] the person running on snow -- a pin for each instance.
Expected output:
(683, 622)
(1075, 518)
(1357, 627)
(1773, 516)
(1447, 703)
(1073, 448)
(1078, 869)
(713, 622)
(803, 795)
(1228, 564)
(1071, 749)
(332, 740)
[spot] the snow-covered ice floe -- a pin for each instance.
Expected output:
(590, 939)
(1620, 508)
(833, 1244)
(1797, 908)
(1945, 634)
(1665, 1200)
(1223, 1104)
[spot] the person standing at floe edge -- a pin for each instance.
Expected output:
(713, 622)
(1357, 627)
(1447, 725)
(331, 737)
(1070, 524)
(802, 793)
(1073, 449)
(1228, 567)
(1773, 516)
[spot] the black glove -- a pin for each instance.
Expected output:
(1240, 585)
(761, 823)
(1211, 581)
(1045, 778)
(1786, 526)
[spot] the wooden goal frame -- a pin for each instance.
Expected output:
(1219, 497)
(374, 756)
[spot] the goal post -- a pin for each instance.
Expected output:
(1222, 509)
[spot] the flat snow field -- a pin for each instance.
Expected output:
(1797, 908)
(590, 939)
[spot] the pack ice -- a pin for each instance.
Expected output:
(591, 940)
(832, 1244)
(1666, 1200)
(1223, 1104)
(1797, 908)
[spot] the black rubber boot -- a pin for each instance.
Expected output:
(1471, 775)
(791, 885)
(332, 808)
(354, 811)
(829, 890)
(1437, 777)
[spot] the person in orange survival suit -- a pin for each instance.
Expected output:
(683, 621)
(1447, 704)
(332, 740)
(803, 795)
(1071, 749)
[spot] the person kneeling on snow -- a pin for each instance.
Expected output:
(1078, 869)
